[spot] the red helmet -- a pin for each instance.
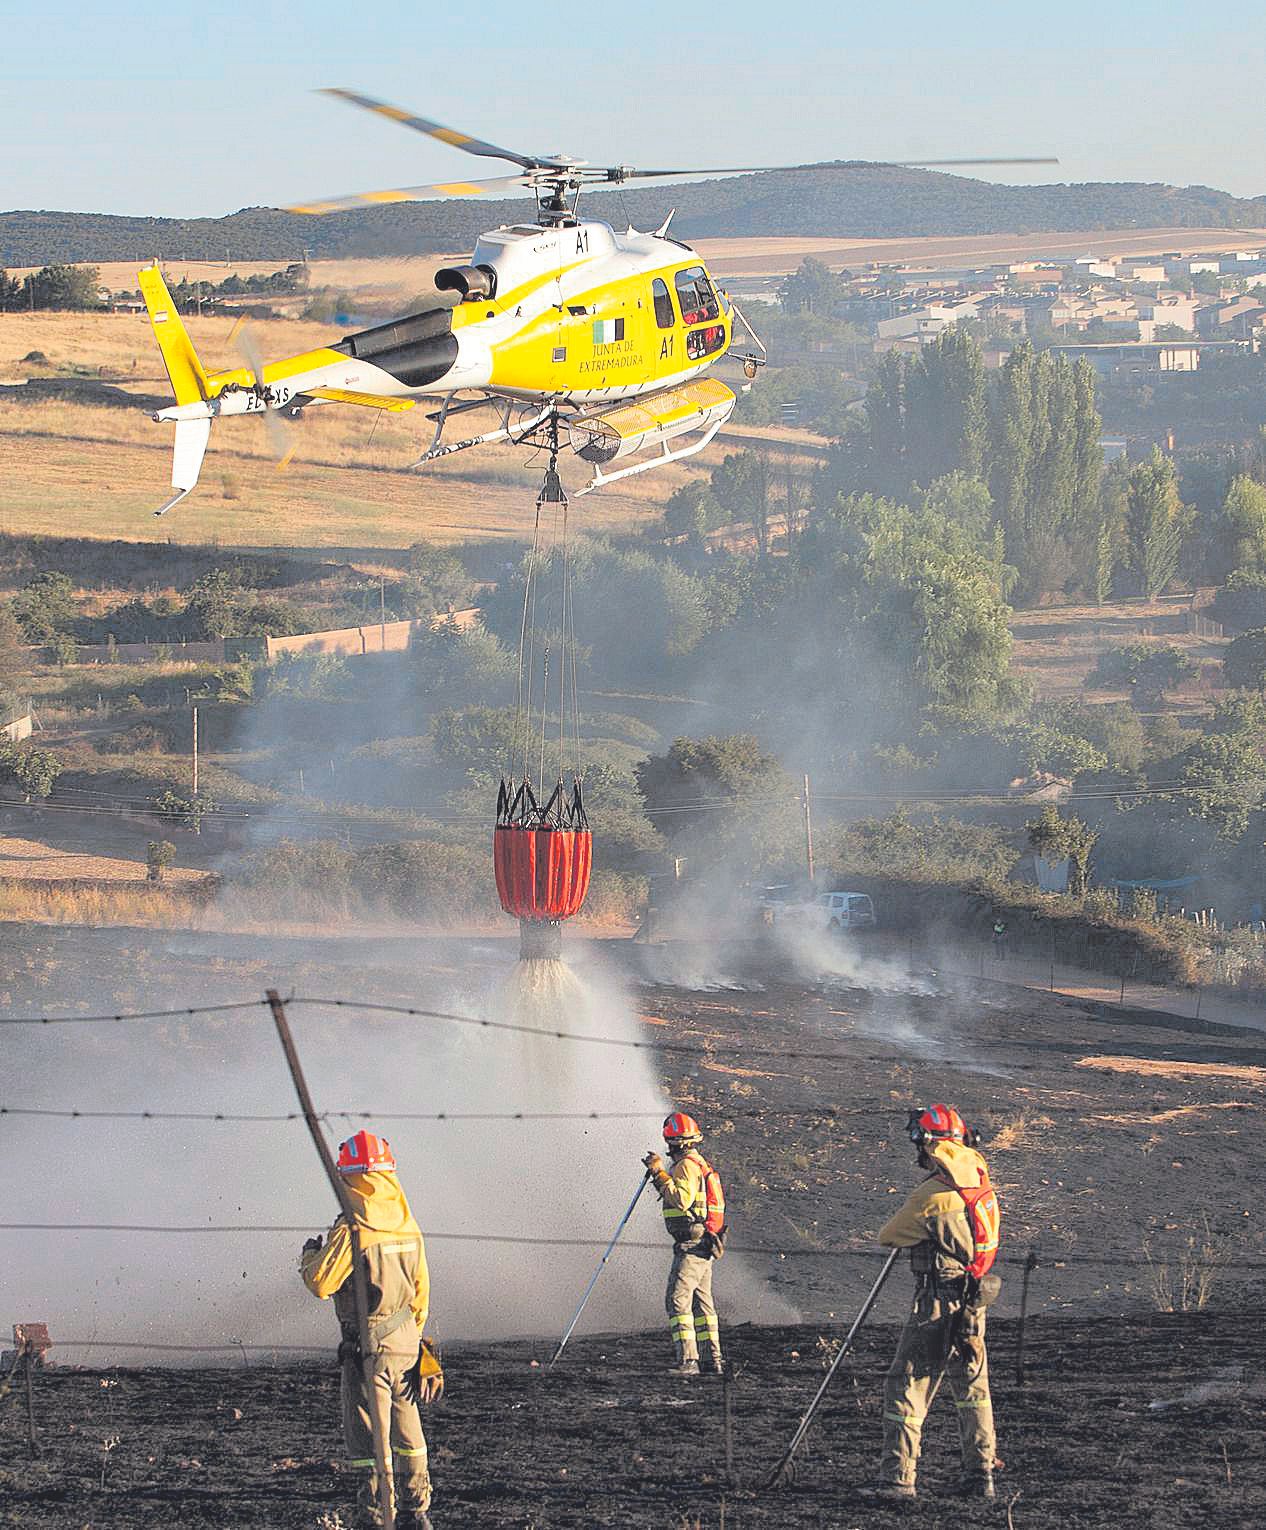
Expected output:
(682, 1128)
(936, 1123)
(365, 1154)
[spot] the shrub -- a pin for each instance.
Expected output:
(158, 856)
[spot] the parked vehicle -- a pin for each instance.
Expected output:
(847, 910)
(837, 911)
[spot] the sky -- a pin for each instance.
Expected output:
(181, 111)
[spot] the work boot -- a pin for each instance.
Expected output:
(412, 1519)
(889, 1492)
(714, 1364)
(686, 1364)
(976, 1485)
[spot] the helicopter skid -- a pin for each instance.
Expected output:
(661, 459)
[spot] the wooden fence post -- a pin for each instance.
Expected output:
(360, 1291)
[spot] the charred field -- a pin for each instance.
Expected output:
(1147, 1420)
(1126, 1147)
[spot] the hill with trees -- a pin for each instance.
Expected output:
(832, 201)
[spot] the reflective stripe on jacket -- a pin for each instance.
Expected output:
(685, 1196)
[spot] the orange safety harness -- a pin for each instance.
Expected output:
(984, 1216)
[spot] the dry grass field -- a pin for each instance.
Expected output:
(70, 467)
(776, 256)
(403, 277)
(1057, 647)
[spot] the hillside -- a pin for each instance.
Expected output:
(828, 202)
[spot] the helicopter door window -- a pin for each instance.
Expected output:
(695, 294)
(702, 342)
(664, 315)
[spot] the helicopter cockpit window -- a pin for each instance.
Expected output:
(664, 315)
(694, 292)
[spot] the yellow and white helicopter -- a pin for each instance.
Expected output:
(562, 326)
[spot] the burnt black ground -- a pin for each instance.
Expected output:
(609, 1440)
(1118, 1140)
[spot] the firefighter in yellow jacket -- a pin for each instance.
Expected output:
(950, 1225)
(406, 1370)
(694, 1215)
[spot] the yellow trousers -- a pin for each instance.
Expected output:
(401, 1424)
(942, 1340)
(692, 1315)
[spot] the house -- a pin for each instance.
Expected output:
(1237, 319)
(1141, 271)
(1168, 308)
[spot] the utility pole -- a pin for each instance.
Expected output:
(382, 613)
(195, 750)
(808, 829)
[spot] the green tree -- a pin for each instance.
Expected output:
(212, 605)
(33, 771)
(479, 744)
(1148, 672)
(964, 501)
(812, 288)
(1239, 533)
(692, 511)
(1157, 523)
(44, 606)
(13, 657)
(1088, 469)
(1222, 778)
(882, 463)
(1244, 660)
(946, 417)
(435, 581)
(1011, 447)
(158, 856)
(741, 485)
(466, 662)
(1055, 838)
(60, 286)
(721, 798)
(187, 811)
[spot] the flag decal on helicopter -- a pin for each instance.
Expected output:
(607, 331)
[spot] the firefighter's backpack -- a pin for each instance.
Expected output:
(985, 1217)
(714, 1222)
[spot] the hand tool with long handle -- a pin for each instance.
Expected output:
(781, 1473)
(615, 1238)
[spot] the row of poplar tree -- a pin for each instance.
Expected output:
(1031, 434)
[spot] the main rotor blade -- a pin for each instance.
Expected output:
(500, 183)
(436, 129)
(623, 173)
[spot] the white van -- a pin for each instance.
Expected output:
(846, 911)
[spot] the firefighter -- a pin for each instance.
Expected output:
(694, 1213)
(406, 1369)
(950, 1225)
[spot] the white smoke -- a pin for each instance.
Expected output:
(565, 1179)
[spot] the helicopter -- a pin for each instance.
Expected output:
(565, 328)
